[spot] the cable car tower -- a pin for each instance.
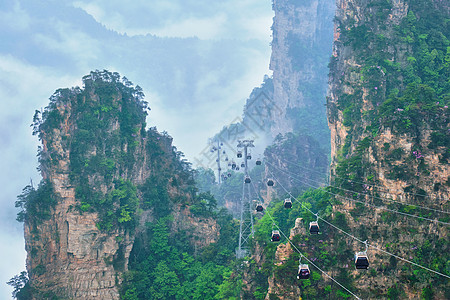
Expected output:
(246, 224)
(218, 149)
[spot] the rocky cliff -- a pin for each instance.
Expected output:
(290, 106)
(373, 79)
(104, 177)
(301, 46)
(388, 114)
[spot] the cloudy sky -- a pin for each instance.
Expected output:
(197, 61)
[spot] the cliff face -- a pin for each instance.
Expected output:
(289, 108)
(405, 143)
(97, 161)
(301, 46)
(297, 161)
(293, 99)
(388, 116)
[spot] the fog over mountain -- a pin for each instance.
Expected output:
(197, 62)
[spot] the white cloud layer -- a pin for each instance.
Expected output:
(248, 19)
(23, 88)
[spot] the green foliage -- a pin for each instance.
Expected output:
(21, 288)
(316, 200)
(36, 204)
(155, 195)
(427, 293)
(204, 204)
(118, 207)
(394, 292)
(165, 267)
(227, 191)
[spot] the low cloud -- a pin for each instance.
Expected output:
(229, 19)
(23, 88)
(14, 19)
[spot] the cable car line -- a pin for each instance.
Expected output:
(384, 251)
(361, 241)
(369, 184)
(367, 204)
(376, 197)
(309, 261)
(293, 245)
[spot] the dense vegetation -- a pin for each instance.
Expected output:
(164, 265)
(401, 71)
(314, 248)
(408, 89)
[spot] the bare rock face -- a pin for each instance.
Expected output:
(300, 30)
(68, 255)
(202, 231)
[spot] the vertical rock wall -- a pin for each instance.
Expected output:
(381, 138)
(301, 45)
(68, 255)
(94, 140)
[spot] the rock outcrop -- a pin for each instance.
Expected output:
(96, 155)
(301, 45)
(387, 110)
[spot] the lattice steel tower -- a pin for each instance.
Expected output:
(246, 225)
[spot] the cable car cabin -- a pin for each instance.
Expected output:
(361, 260)
(276, 236)
(247, 180)
(258, 162)
(287, 203)
(270, 182)
(303, 271)
(242, 165)
(259, 207)
(314, 227)
(249, 156)
(239, 154)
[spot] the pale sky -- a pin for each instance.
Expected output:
(196, 81)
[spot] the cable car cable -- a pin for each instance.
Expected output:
(376, 197)
(384, 251)
(365, 242)
(301, 255)
(371, 205)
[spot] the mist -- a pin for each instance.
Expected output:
(197, 62)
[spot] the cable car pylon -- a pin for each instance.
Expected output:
(218, 148)
(246, 225)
